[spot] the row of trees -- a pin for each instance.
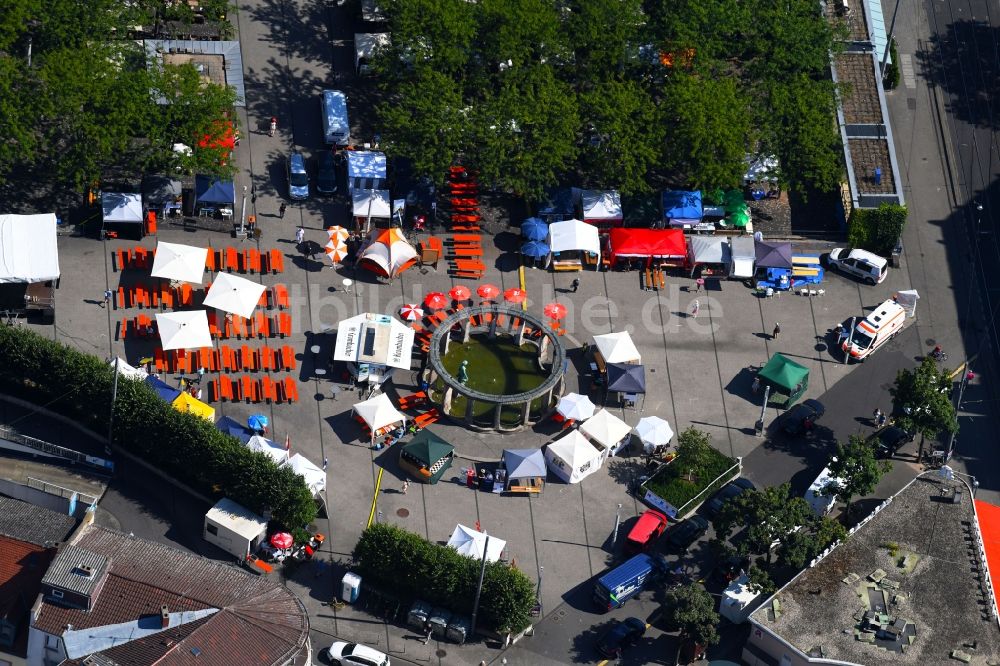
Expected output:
(192, 450)
(612, 93)
(78, 98)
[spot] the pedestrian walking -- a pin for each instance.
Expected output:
(877, 417)
(406, 485)
(430, 631)
(695, 307)
(699, 283)
(574, 285)
(107, 298)
(273, 126)
(776, 332)
(300, 235)
(281, 210)
(325, 463)
(236, 137)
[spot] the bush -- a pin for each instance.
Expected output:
(192, 450)
(695, 468)
(877, 230)
(410, 566)
(891, 78)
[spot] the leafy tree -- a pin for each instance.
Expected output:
(604, 33)
(692, 610)
(708, 129)
(760, 581)
(770, 515)
(856, 469)
(428, 33)
(694, 450)
(801, 546)
(622, 134)
(921, 400)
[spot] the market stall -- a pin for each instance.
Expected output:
(773, 265)
(214, 197)
(628, 380)
(426, 457)
(387, 253)
(366, 45)
(557, 205)
(573, 458)
(602, 208)
(572, 245)
(366, 170)
(641, 248)
(189, 404)
(162, 194)
(311, 473)
(473, 543)
(379, 415)
(614, 348)
(524, 470)
(709, 256)
(682, 208)
(273, 450)
(371, 209)
(372, 345)
(29, 264)
(787, 381)
(742, 256)
(607, 431)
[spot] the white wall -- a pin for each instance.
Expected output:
(37, 652)
(227, 540)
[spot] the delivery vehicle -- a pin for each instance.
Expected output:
(336, 128)
(862, 264)
(741, 258)
(647, 529)
(626, 580)
(880, 326)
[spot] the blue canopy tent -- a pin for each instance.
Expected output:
(535, 249)
(213, 193)
(234, 428)
(534, 229)
(682, 208)
(557, 205)
(164, 390)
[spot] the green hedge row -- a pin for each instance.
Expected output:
(877, 230)
(413, 568)
(192, 450)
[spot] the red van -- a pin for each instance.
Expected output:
(646, 530)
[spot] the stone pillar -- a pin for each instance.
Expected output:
(446, 403)
(447, 341)
(496, 417)
(543, 345)
(526, 418)
(469, 402)
(468, 329)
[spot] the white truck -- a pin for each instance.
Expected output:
(880, 326)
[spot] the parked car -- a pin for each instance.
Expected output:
(801, 417)
(646, 530)
(686, 532)
(623, 634)
(862, 264)
(326, 173)
(355, 654)
(734, 488)
(298, 177)
(888, 440)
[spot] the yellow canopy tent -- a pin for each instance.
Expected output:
(186, 402)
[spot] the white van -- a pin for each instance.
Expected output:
(862, 264)
(336, 128)
(874, 331)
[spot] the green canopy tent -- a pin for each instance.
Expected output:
(427, 457)
(788, 380)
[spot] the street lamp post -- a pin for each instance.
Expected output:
(618, 520)
(243, 214)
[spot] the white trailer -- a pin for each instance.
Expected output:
(234, 528)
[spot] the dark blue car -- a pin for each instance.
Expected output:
(623, 634)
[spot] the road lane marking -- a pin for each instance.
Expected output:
(906, 69)
(378, 484)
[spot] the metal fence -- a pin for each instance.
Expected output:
(53, 489)
(15, 437)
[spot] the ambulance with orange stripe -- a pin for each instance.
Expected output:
(875, 330)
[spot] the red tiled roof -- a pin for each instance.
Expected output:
(260, 621)
(22, 566)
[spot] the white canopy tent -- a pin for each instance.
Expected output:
(187, 329)
(573, 458)
(617, 348)
(366, 170)
(908, 299)
(314, 475)
(601, 205)
(174, 261)
(709, 250)
(472, 543)
(574, 235)
(28, 248)
(366, 44)
(605, 429)
(374, 338)
(128, 371)
(121, 207)
(271, 449)
(379, 412)
(575, 406)
(234, 294)
(372, 204)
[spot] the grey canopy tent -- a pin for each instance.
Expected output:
(773, 255)
(626, 378)
(525, 470)
(161, 192)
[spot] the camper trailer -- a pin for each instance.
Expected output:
(875, 330)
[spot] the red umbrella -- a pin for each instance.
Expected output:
(281, 540)
(515, 295)
(435, 300)
(555, 310)
(460, 293)
(488, 290)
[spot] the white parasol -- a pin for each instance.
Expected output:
(234, 294)
(187, 329)
(184, 263)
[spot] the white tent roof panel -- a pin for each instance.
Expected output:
(617, 348)
(28, 248)
(605, 428)
(121, 207)
(365, 44)
(573, 458)
(574, 235)
(472, 543)
(372, 203)
(374, 338)
(602, 205)
(378, 412)
(313, 474)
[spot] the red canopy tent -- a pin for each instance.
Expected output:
(666, 244)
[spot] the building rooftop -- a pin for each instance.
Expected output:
(33, 524)
(915, 567)
(22, 566)
(76, 570)
(218, 613)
